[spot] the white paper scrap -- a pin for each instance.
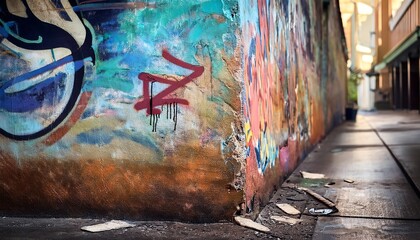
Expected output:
(287, 208)
(245, 222)
(323, 211)
(111, 225)
(286, 219)
(309, 175)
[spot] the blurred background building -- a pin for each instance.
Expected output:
(383, 41)
(397, 58)
(359, 25)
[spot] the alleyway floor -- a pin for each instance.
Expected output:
(372, 175)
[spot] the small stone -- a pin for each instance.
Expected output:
(329, 184)
(348, 181)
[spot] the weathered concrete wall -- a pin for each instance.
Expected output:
(336, 93)
(293, 86)
(159, 110)
(120, 109)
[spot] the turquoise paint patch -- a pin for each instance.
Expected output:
(116, 82)
(196, 34)
(110, 75)
(214, 6)
(178, 27)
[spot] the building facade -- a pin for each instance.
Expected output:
(397, 55)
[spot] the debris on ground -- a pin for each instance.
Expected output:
(320, 198)
(245, 222)
(348, 181)
(111, 225)
(329, 184)
(295, 198)
(287, 208)
(286, 219)
(321, 211)
(336, 150)
(309, 175)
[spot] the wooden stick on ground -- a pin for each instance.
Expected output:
(319, 198)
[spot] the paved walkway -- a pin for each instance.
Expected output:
(380, 153)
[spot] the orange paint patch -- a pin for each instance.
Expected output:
(219, 18)
(317, 123)
(191, 186)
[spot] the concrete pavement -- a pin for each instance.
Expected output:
(380, 153)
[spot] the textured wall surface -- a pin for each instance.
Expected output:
(161, 109)
(116, 108)
(294, 72)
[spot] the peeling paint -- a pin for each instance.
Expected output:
(234, 155)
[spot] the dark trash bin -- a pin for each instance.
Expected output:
(351, 114)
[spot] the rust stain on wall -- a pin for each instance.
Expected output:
(181, 188)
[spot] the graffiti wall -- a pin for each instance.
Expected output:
(287, 100)
(160, 109)
(336, 93)
(120, 108)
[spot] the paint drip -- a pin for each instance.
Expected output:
(172, 113)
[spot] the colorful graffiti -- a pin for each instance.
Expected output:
(284, 90)
(150, 101)
(265, 80)
(43, 77)
(81, 83)
(34, 96)
(111, 67)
